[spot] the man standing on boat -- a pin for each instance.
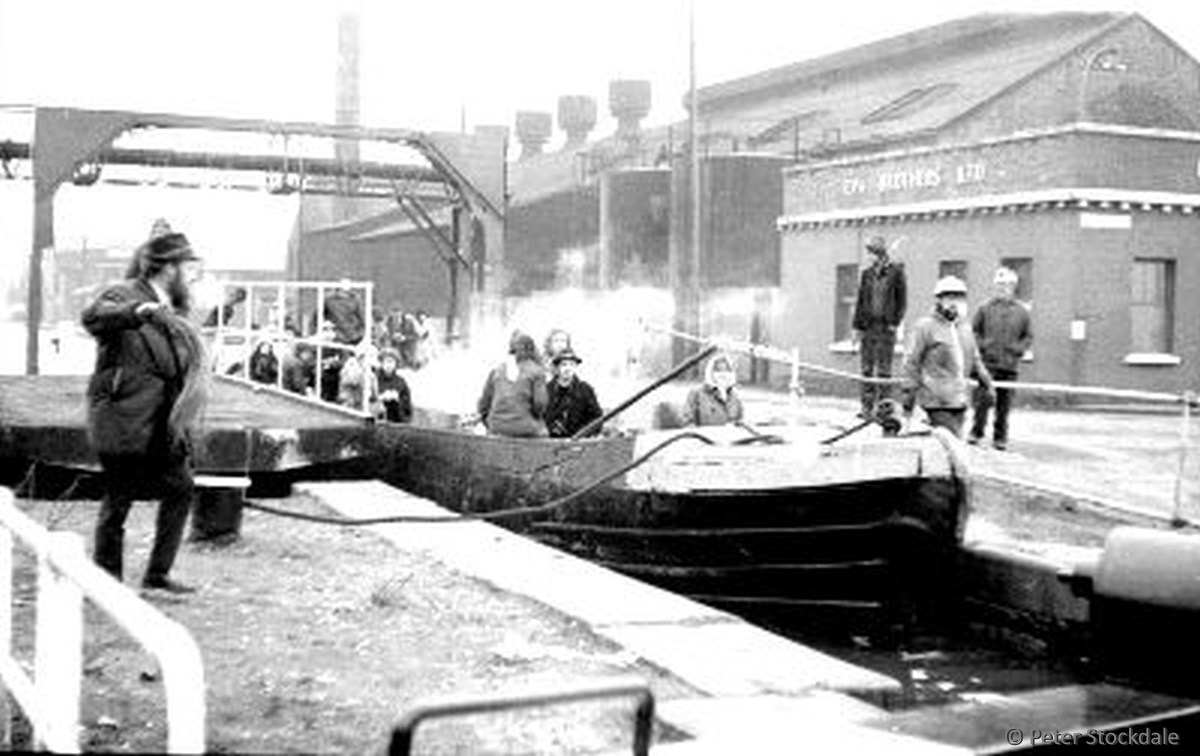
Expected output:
(143, 398)
(1003, 330)
(573, 403)
(878, 312)
(513, 402)
(941, 357)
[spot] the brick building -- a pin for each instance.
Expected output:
(1066, 146)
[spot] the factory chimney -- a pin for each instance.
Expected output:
(629, 103)
(347, 105)
(577, 117)
(534, 128)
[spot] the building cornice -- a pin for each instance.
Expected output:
(1121, 200)
(1081, 128)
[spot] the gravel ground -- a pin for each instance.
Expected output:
(316, 638)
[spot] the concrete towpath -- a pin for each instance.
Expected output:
(761, 693)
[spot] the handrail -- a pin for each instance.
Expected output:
(65, 577)
(404, 730)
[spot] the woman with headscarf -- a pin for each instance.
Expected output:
(716, 402)
(557, 340)
(514, 398)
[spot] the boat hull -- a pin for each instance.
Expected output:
(873, 529)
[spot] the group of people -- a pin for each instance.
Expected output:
(532, 395)
(946, 348)
(148, 385)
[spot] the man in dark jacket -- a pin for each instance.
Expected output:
(882, 299)
(144, 395)
(1004, 333)
(572, 401)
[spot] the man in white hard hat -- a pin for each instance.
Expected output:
(1003, 331)
(941, 356)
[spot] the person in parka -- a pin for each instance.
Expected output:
(716, 401)
(942, 357)
(514, 398)
(144, 396)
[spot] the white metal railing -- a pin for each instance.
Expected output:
(65, 577)
(282, 299)
(1186, 399)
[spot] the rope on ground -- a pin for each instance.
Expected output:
(498, 514)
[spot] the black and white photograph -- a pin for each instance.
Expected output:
(526, 377)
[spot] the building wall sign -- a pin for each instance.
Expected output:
(1106, 221)
(909, 179)
(1029, 163)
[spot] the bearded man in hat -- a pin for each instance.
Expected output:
(941, 357)
(143, 399)
(572, 404)
(878, 312)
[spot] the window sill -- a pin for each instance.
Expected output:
(1152, 359)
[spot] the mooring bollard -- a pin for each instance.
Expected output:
(217, 508)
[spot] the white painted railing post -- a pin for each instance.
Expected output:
(6, 625)
(51, 699)
(58, 656)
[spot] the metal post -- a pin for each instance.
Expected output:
(319, 337)
(368, 374)
(6, 622)
(281, 324)
(694, 169)
(58, 656)
(1184, 441)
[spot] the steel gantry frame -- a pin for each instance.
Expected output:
(466, 171)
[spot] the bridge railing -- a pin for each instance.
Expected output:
(51, 698)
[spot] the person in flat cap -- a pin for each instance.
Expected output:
(144, 398)
(573, 405)
(878, 312)
(1004, 332)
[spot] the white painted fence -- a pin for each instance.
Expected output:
(50, 699)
